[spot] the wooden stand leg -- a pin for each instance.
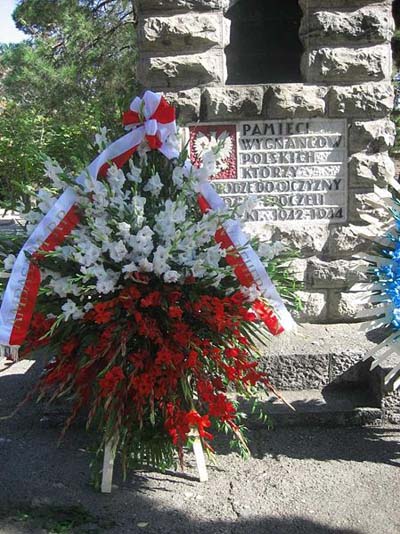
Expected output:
(199, 455)
(108, 465)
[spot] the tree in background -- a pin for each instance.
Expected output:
(73, 74)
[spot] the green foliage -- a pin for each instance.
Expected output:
(73, 74)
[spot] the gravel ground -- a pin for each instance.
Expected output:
(299, 480)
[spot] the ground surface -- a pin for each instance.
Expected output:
(323, 481)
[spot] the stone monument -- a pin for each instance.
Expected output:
(300, 92)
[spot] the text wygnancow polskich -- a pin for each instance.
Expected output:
(297, 169)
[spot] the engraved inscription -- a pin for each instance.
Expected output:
(297, 169)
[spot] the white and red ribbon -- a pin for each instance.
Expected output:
(149, 119)
(247, 265)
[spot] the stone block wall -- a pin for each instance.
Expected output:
(346, 68)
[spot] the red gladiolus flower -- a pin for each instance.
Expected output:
(111, 380)
(194, 419)
(175, 312)
(152, 299)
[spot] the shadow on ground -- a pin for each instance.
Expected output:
(79, 521)
(288, 486)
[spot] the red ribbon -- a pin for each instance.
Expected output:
(243, 274)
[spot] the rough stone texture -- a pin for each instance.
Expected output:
(334, 274)
(310, 240)
(371, 136)
(345, 241)
(314, 308)
(391, 407)
(187, 104)
(366, 101)
(369, 170)
(316, 354)
(346, 57)
(236, 102)
(182, 33)
(368, 24)
(298, 269)
(346, 306)
(176, 5)
(285, 371)
(349, 368)
(295, 101)
(359, 205)
(330, 65)
(340, 4)
(182, 72)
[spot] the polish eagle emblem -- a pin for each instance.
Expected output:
(220, 144)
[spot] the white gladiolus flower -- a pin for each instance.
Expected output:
(117, 251)
(9, 262)
(251, 293)
(47, 201)
(208, 166)
(278, 247)
(52, 171)
(100, 138)
(145, 266)
(214, 254)
(107, 284)
(270, 251)
(142, 243)
(154, 185)
(171, 277)
(88, 255)
(160, 260)
(177, 177)
(70, 309)
(116, 178)
(124, 230)
(248, 206)
(135, 173)
(130, 268)
(66, 252)
(199, 270)
(60, 286)
(172, 143)
(100, 230)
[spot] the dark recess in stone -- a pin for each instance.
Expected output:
(264, 45)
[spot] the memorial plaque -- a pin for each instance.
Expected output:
(297, 168)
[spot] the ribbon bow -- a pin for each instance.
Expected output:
(153, 119)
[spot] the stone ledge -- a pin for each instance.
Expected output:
(182, 72)
(368, 24)
(338, 4)
(347, 65)
(181, 5)
(233, 102)
(340, 407)
(187, 104)
(179, 34)
(364, 101)
(316, 355)
(295, 101)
